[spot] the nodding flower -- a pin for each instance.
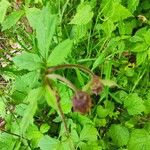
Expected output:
(96, 85)
(82, 102)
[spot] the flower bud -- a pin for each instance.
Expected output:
(82, 102)
(96, 85)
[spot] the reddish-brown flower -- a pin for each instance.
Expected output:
(2, 123)
(96, 85)
(82, 102)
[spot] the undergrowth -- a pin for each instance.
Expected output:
(74, 75)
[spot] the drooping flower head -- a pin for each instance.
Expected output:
(82, 102)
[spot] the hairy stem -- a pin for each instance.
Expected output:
(67, 82)
(54, 68)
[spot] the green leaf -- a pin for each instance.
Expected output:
(102, 112)
(12, 19)
(44, 23)
(60, 52)
(7, 142)
(132, 5)
(88, 133)
(84, 15)
(47, 143)
(119, 134)
(44, 128)
(2, 108)
(134, 104)
(65, 102)
(141, 57)
(139, 140)
(50, 97)
(140, 47)
(78, 32)
(119, 12)
(108, 27)
(4, 4)
(27, 81)
(99, 60)
(32, 98)
(28, 61)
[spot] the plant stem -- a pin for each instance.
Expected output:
(67, 82)
(13, 134)
(54, 68)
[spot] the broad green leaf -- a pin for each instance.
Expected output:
(119, 12)
(47, 143)
(2, 108)
(139, 140)
(66, 102)
(28, 61)
(134, 104)
(119, 134)
(4, 4)
(132, 5)
(33, 15)
(140, 47)
(34, 135)
(60, 52)
(7, 141)
(27, 81)
(78, 32)
(147, 105)
(84, 15)
(44, 23)
(141, 57)
(102, 112)
(90, 146)
(147, 37)
(12, 19)
(50, 97)
(108, 27)
(32, 98)
(88, 133)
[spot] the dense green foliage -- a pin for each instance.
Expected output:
(109, 37)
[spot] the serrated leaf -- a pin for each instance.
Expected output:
(119, 12)
(12, 19)
(28, 61)
(84, 15)
(139, 140)
(4, 4)
(27, 81)
(47, 143)
(108, 27)
(32, 98)
(44, 23)
(134, 104)
(88, 133)
(78, 32)
(7, 142)
(60, 52)
(119, 134)
(132, 5)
